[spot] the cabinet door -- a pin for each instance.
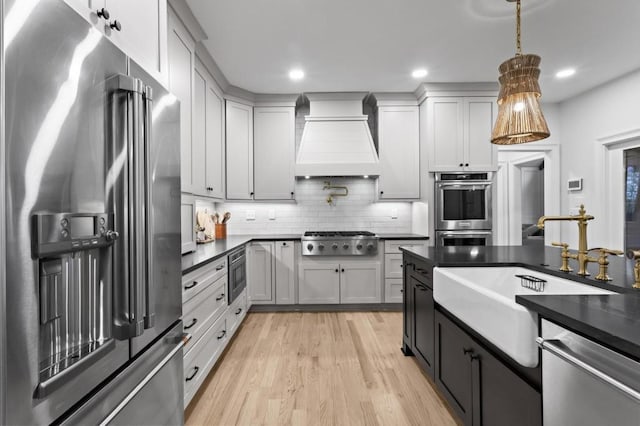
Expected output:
(274, 144)
(480, 153)
(199, 130)
(181, 47)
(399, 151)
(360, 282)
(393, 265)
(423, 326)
(214, 158)
(407, 307)
(144, 28)
(445, 136)
(188, 223)
(239, 145)
(285, 273)
(259, 272)
(453, 372)
(505, 399)
(319, 283)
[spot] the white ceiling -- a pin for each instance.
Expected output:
(373, 45)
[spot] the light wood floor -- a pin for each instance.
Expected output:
(341, 368)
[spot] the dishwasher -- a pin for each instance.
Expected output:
(586, 384)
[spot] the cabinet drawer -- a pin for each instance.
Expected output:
(200, 359)
(202, 311)
(236, 313)
(393, 265)
(393, 246)
(393, 290)
(196, 281)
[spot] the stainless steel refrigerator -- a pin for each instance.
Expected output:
(93, 228)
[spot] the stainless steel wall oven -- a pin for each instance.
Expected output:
(463, 209)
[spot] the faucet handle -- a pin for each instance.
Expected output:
(635, 255)
(603, 262)
(565, 256)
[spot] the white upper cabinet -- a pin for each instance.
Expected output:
(181, 58)
(214, 158)
(459, 133)
(207, 135)
(399, 151)
(138, 27)
(239, 146)
(274, 152)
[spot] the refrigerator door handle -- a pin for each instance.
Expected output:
(128, 310)
(149, 318)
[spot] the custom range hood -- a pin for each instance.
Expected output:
(336, 140)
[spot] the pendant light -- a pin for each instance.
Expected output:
(520, 117)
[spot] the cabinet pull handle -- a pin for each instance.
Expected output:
(475, 357)
(284, 244)
(467, 351)
(292, 193)
(337, 270)
(381, 192)
(191, 324)
(342, 270)
(222, 334)
(115, 25)
(466, 164)
(251, 193)
(238, 311)
(401, 291)
(219, 267)
(192, 285)
(195, 371)
(219, 298)
(103, 13)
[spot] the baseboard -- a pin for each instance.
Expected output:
(352, 307)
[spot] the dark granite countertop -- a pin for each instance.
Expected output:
(209, 252)
(391, 236)
(612, 320)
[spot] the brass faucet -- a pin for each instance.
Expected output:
(635, 255)
(582, 256)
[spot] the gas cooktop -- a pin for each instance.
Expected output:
(339, 243)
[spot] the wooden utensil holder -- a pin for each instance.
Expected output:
(221, 231)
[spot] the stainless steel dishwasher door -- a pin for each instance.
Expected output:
(586, 384)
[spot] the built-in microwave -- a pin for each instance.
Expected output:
(463, 201)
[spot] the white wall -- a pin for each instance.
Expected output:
(357, 211)
(607, 110)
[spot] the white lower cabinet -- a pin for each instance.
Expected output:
(202, 356)
(209, 319)
(260, 272)
(271, 277)
(285, 268)
(319, 283)
(187, 223)
(393, 268)
(360, 282)
(332, 283)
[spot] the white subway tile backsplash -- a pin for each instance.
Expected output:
(357, 211)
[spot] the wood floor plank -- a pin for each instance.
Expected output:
(320, 368)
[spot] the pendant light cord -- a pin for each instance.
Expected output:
(518, 46)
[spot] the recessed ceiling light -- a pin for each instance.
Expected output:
(419, 73)
(568, 72)
(296, 74)
(307, 177)
(366, 176)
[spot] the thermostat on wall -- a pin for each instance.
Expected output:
(574, 184)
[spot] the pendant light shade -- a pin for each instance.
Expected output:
(520, 117)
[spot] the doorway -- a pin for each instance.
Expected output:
(527, 187)
(632, 199)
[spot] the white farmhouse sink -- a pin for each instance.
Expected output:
(485, 299)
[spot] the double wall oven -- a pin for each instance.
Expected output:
(463, 209)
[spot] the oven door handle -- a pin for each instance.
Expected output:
(466, 234)
(485, 184)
